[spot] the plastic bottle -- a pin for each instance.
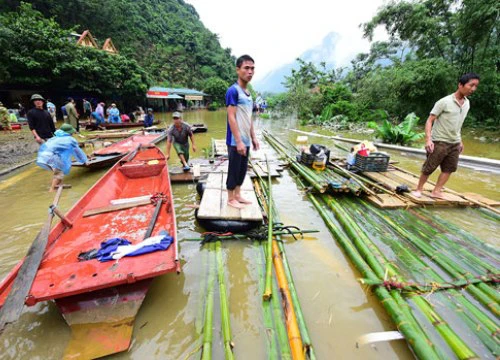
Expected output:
(319, 162)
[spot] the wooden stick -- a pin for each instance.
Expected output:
(111, 208)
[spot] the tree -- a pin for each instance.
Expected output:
(216, 87)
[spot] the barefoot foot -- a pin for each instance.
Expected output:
(417, 194)
(236, 204)
(437, 195)
(243, 200)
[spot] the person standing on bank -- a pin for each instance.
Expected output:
(39, 120)
(443, 141)
(72, 115)
(240, 132)
(178, 134)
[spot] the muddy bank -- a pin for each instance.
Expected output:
(16, 148)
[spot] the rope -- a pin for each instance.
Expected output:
(410, 286)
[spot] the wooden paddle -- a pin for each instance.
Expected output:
(14, 303)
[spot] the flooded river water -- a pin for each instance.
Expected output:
(336, 308)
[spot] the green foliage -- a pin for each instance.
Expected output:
(431, 43)
(215, 87)
(265, 116)
(37, 52)
(166, 38)
(214, 106)
(402, 133)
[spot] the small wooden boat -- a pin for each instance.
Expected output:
(99, 300)
(199, 128)
(111, 154)
(122, 125)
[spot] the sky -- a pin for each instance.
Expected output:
(276, 32)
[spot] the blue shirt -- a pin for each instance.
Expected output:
(236, 96)
(57, 151)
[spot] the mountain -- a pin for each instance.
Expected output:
(325, 52)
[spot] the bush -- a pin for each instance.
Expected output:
(214, 106)
(402, 133)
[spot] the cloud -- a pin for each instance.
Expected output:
(276, 32)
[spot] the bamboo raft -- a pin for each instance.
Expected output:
(438, 283)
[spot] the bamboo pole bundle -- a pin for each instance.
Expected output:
(224, 307)
(209, 309)
(482, 292)
(306, 340)
(391, 301)
(460, 348)
(455, 342)
(478, 322)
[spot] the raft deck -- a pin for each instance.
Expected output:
(214, 201)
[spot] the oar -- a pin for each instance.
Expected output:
(13, 306)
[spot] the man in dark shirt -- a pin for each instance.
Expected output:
(178, 134)
(40, 121)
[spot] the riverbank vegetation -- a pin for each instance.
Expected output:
(160, 43)
(431, 43)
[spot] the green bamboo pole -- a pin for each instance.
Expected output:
(269, 260)
(224, 307)
(209, 308)
(272, 349)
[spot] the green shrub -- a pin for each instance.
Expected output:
(402, 133)
(213, 106)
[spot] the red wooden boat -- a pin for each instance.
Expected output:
(111, 154)
(99, 300)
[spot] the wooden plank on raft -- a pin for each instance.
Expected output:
(210, 205)
(111, 208)
(482, 199)
(389, 202)
(213, 204)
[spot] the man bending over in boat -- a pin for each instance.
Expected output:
(240, 133)
(178, 133)
(55, 154)
(443, 141)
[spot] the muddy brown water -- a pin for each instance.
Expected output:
(336, 308)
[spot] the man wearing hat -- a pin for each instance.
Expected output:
(39, 120)
(178, 134)
(4, 118)
(55, 154)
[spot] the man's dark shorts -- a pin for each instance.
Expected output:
(444, 155)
